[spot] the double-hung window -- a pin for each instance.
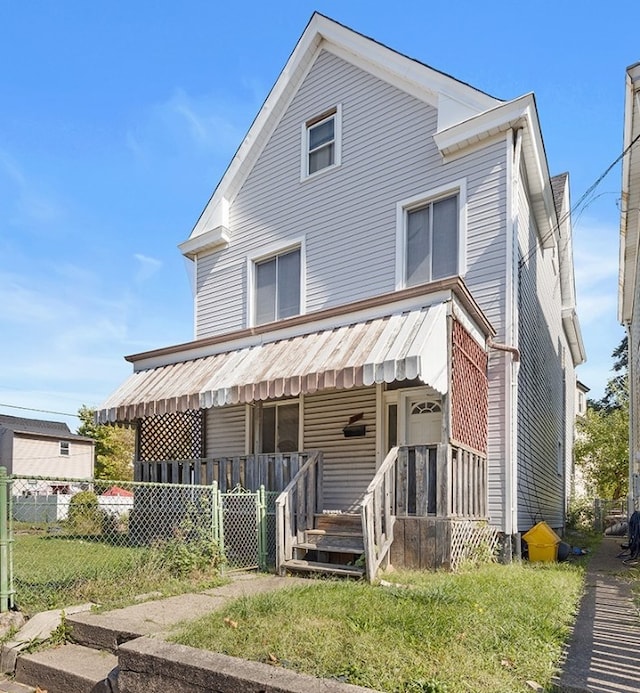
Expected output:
(431, 234)
(321, 142)
(64, 448)
(277, 287)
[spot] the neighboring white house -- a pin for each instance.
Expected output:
(629, 284)
(31, 447)
(385, 265)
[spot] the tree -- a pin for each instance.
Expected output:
(114, 446)
(602, 445)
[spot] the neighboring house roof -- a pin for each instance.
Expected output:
(630, 214)
(116, 491)
(466, 117)
(41, 428)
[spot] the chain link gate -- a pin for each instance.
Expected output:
(243, 528)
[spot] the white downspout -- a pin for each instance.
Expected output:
(511, 340)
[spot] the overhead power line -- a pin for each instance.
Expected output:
(41, 411)
(589, 191)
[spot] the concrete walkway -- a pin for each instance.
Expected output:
(603, 655)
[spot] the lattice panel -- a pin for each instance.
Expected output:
(472, 541)
(173, 436)
(469, 390)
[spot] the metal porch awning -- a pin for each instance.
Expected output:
(401, 346)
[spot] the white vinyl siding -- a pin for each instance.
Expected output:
(41, 457)
(542, 390)
(349, 463)
(387, 155)
(225, 431)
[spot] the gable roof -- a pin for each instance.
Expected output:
(39, 427)
(466, 117)
(455, 100)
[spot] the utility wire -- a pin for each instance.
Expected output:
(41, 411)
(584, 196)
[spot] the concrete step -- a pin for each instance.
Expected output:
(69, 668)
(10, 686)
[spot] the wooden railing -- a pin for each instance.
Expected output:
(378, 514)
(271, 470)
(296, 508)
(468, 484)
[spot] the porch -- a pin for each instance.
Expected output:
(411, 514)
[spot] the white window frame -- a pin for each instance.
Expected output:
(334, 112)
(410, 204)
(267, 253)
(65, 448)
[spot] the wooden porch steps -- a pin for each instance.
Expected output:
(333, 546)
(339, 569)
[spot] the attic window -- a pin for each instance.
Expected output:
(321, 138)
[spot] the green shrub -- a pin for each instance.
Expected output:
(580, 515)
(84, 517)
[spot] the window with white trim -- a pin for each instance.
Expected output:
(432, 238)
(280, 426)
(322, 142)
(64, 448)
(277, 286)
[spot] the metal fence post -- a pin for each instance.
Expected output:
(220, 511)
(6, 554)
(262, 529)
(215, 528)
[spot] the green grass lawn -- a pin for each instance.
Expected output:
(483, 630)
(55, 572)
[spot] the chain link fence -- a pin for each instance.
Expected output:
(70, 541)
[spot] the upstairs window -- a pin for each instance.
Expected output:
(322, 146)
(64, 448)
(430, 240)
(277, 287)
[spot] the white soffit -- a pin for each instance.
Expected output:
(402, 346)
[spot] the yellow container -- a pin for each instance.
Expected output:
(543, 552)
(542, 542)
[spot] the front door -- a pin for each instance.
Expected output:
(422, 419)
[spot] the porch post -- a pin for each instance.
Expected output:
(443, 464)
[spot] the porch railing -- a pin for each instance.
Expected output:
(271, 470)
(378, 514)
(468, 483)
(296, 507)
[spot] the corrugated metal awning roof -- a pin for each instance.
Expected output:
(401, 346)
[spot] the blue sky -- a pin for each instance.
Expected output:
(117, 119)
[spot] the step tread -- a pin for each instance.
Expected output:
(331, 548)
(68, 667)
(331, 533)
(317, 567)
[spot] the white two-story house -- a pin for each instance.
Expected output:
(385, 324)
